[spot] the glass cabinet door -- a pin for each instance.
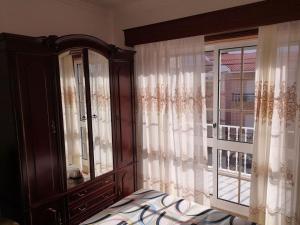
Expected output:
(101, 112)
(74, 109)
(86, 108)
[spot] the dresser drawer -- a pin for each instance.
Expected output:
(82, 193)
(78, 210)
(102, 197)
(99, 200)
(75, 220)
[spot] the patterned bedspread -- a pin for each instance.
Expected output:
(147, 207)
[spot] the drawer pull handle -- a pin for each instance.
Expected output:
(81, 209)
(81, 194)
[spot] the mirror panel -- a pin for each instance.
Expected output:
(74, 110)
(101, 112)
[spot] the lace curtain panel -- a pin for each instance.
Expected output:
(70, 102)
(101, 112)
(275, 181)
(171, 118)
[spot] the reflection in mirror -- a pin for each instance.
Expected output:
(101, 112)
(74, 117)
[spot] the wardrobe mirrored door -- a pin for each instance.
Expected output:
(101, 112)
(74, 109)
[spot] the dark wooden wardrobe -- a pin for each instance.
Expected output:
(33, 183)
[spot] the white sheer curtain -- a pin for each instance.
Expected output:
(70, 102)
(275, 181)
(171, 121)
(101, 112)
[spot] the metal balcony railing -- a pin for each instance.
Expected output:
(232, 133)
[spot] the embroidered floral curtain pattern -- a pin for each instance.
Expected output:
(171, 117)
(275, 181)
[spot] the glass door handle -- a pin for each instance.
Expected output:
(94, 116)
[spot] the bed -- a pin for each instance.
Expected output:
(147, 207)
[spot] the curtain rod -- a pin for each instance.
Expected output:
(244, 34)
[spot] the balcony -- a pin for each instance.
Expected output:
(234, 168)
(232, 133)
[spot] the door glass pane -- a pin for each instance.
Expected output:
(230, 94)
(245, 169)
(209, 119)
(230, 64)
(248, 94)
(101, 112)
(228, 175)
(245, 192)
(228, 188)
(247, 130)
(209, 87)
(237, 94)
(229, 125)
(209, 94)
(210, 169)
(234, 176)
(74, 118)
(209, 65)
(249, 62)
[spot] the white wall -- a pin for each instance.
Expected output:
(104, 19)
(143, 12)
(58, 17)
